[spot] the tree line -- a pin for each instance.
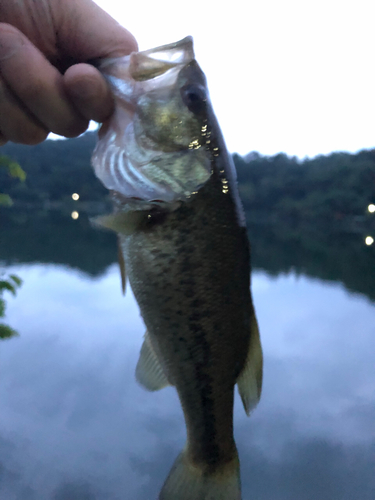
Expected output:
(332, 186)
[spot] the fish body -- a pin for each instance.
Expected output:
(187, 259)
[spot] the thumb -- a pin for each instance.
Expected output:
(87, 32)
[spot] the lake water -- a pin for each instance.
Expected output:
(75, 425)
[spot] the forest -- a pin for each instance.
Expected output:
(333, 187)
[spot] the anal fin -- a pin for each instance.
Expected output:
(149, 371)
(249, 381)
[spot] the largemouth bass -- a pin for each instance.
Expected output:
(185, 251)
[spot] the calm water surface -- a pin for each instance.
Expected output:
(75, 425)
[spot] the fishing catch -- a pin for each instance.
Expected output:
(184, 250)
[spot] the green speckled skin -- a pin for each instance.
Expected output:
(190, 273)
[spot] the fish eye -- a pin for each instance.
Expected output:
(194, 97)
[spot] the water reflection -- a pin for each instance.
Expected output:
(325, 252)
(75, 425)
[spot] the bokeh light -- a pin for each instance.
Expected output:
(369, 240)
(75, 215)
(75, 196)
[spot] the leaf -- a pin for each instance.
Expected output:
(5, 200)
(5, 285)
(15, 170)
(16, 279)
(2, 308)
(6, 332)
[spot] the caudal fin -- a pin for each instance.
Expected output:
(187, 482)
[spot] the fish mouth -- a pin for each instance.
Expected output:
(148, 64)
(153, 62)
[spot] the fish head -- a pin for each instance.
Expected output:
(157, 147)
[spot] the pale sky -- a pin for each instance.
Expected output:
(293, 75)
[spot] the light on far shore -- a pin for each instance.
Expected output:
(369, 240)
(75, 215)
(75, 197)
(371, 208)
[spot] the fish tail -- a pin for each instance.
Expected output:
(186, 481)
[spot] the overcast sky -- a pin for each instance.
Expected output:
(293, 76)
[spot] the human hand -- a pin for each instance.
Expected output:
(45, 84)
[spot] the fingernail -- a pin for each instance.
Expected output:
(10, 42)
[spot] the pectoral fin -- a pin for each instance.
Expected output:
(249, 381)
(122, 222)
(149, 371)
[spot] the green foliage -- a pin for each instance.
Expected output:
(16, 279)
(6, 332)
(11, 283)
(7, 283)
(5, 200)
(335, 186)
(13, 170)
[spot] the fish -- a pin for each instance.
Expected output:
(185, 252)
